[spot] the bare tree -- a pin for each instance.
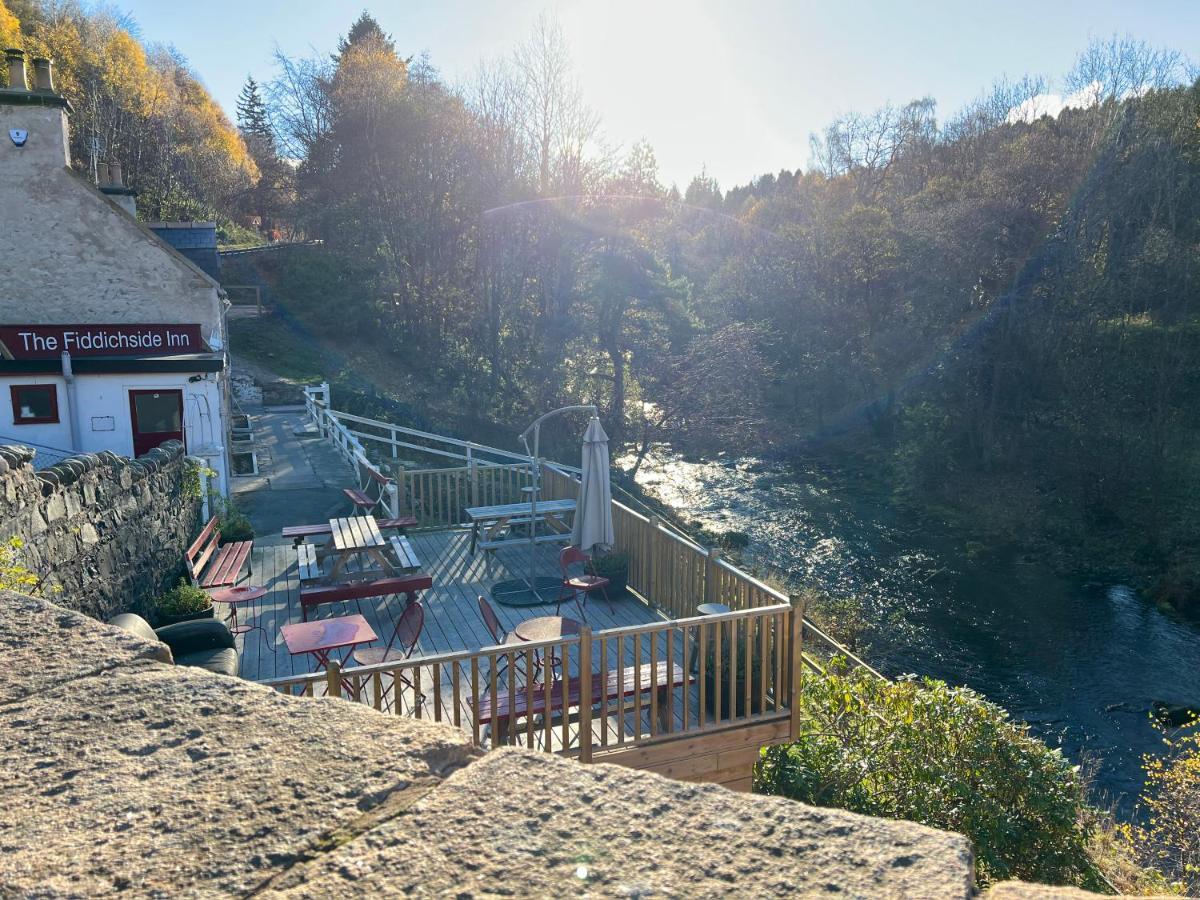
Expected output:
(1122, 67)
(298, 98)
(557, 123)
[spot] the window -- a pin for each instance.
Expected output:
(34, 404)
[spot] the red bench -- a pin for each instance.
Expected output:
(662, 677)
(409, 585)
(214, 566)
(299, 532)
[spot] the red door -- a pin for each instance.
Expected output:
(157, 417)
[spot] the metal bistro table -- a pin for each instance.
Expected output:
(234, 596)
(323, 636)
(546, 628)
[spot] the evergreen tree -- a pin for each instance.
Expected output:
(365, 30)
(252, 116)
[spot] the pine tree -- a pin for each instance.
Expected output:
(252, 116)
(364, 29)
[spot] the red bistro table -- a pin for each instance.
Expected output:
(233, 596)
(323, 636)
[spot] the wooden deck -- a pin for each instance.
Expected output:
(452, 620)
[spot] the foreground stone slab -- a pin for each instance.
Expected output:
(526, 824)
(44, 645)
(168, 781)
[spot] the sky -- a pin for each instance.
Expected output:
(733, 87)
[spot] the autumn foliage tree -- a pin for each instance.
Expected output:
(141, 106)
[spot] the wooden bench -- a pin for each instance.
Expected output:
(409, 585)
(405, 555)
(306, 559)
(299, 532)
(662, 677)
(211, 565)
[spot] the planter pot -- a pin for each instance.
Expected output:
(618, 585)
(164, 619)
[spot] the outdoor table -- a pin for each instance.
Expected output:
(323, 636)
(706, 609)
(546, 628)
(354, 537)
(232, 597)
(494, 519)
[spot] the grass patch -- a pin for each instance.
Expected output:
(272, 345)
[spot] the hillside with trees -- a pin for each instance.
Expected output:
(992, 314)
(139, 105)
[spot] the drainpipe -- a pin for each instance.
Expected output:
(69, 378)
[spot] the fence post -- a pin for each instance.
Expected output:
(472, 480)
(711, 593)
(325, 395)
(651, 560)
(795, 662)
(400, 484)
(395, 449)
(585, 679)
(333, 679)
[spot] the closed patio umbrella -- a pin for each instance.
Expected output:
(593, 511)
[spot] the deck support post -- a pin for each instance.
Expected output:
(585, 678)
(795, 662)
(333, 679)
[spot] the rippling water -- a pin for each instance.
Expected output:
(1080, 661)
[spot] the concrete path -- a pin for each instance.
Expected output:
(299, 479)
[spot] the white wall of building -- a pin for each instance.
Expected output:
(104, 422)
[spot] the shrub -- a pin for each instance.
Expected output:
(941, 756)
(1171, 840)
(183, 600)
(13, 574)
(232, 522)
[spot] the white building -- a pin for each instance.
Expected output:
(109, 338)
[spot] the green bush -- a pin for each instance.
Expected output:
(941, 756)
(232, 523)
(183, 600)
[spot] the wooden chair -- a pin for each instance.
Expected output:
(581, 585)
(404, 640)
(499, 636)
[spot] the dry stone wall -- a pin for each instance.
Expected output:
(105, 533)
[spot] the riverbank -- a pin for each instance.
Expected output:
(1075, 654)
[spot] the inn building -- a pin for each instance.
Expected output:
(110, 339)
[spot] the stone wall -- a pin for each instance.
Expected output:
(120, 772)
(105, 533)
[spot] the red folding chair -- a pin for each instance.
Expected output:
(405, 637)
(581, 585)
(499, 636)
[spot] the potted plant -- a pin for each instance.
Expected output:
(753, 670)
(183, 603)
(615, 567)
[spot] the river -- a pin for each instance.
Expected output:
(1080, 660)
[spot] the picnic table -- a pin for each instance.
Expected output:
(356, 537)
(322, 637)
(494, 520)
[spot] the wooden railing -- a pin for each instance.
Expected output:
(438, 497)
(729, 670)
(666, 569)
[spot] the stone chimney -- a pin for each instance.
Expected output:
(33, 123)
(16, 69)
(112, 184)
(43, 75)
